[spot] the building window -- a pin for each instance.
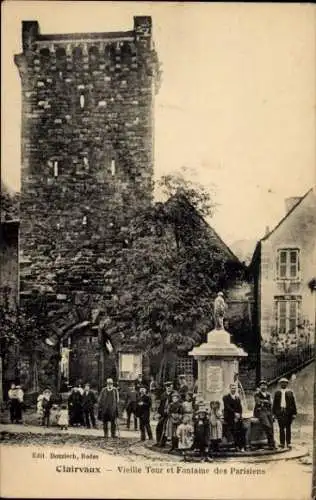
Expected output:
(130, 365)
(288, 264)
(84, 220)
(82, 101)
(287, 314)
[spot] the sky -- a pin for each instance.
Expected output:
(236, 105)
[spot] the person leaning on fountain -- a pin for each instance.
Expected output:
(233, 417)
(263, 411)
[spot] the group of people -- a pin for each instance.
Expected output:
(78, 410)
(138, 404)
(189, 424)
(184, 421)
(280, 407)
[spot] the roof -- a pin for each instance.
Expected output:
(257, 251)
(211, 231)
(286, 215)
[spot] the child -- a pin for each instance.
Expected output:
(174, 419)
(216, 427)
(63, 419)
(185, 435)
(187, 406)
(201, 432)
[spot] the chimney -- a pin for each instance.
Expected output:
(267, 231)
(291, 202)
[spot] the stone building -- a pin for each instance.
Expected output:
(87, 162)
(87, 146)
(283, 267)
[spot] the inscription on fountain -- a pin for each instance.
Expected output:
(214, 379)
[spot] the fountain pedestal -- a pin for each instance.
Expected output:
(218, 362)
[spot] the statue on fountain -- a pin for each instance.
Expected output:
(220, 308)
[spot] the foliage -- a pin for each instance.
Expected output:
(179, 184)
(25, 326)
(170, 271)
(9, 204)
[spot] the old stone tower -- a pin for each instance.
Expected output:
(87, 168)
(87, 142)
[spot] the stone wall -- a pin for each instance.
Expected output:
(87, 151)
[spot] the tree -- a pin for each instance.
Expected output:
(25, 328)
(8, 338)
(180, 184)
(170, 271)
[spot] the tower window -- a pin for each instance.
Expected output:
(84, 220)
(82, 101)
(85, 161)
(113, 167)
(55, 168)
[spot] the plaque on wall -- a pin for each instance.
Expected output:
(214, 379)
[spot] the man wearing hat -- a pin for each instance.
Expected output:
(108, 407)
(143, 413)
(233, 417)
(183, 387)
(263, 411)
(163, 412)
(284, 409)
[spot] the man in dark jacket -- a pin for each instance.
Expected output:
(75, 407)
(284, 409)
(163, 411)
(88, 402)
(233, 417)
(131, 405)
(108, 407)
(143, 413)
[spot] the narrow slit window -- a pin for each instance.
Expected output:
(55, 168)
(84, 220)
(82, 101)
(113, 167)
(85, 161)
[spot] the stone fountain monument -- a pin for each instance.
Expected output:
(218, 358)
